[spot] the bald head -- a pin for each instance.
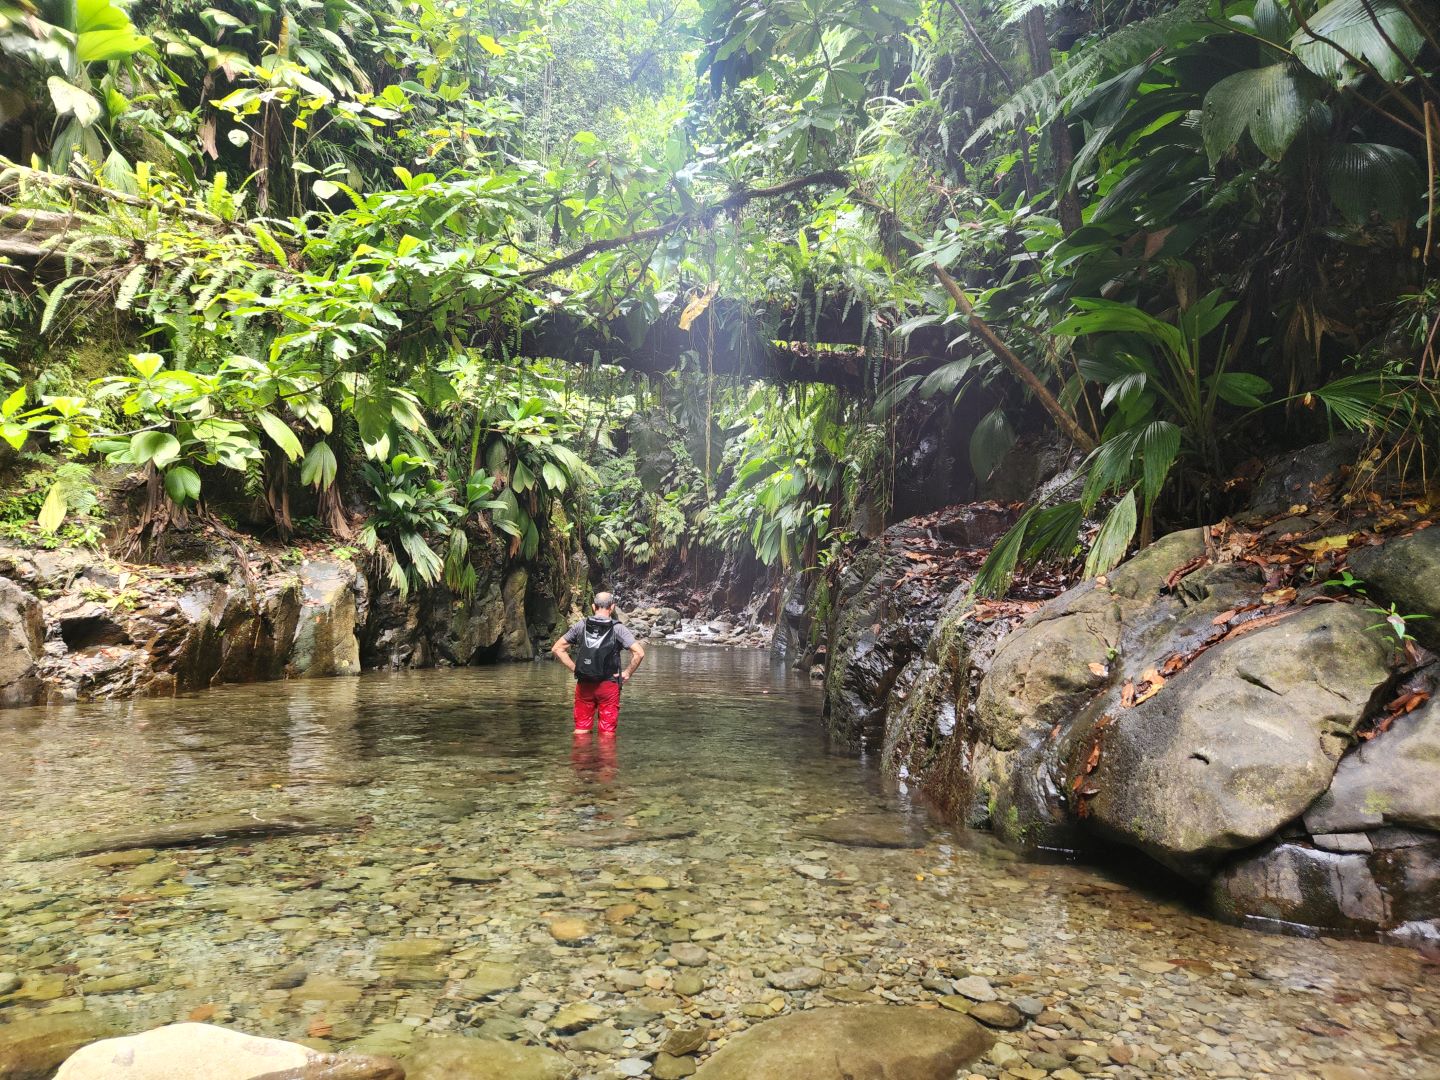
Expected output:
(604, 601)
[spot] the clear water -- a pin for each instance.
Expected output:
(471, 824)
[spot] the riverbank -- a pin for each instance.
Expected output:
(711, 872)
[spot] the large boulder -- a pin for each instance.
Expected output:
(325, 641)
(22, 641)
(876, 1042)
(1233, 747)
(1406, 571)
(187, 1051)
(1394, 779)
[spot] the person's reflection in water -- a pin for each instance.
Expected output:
(594, 758)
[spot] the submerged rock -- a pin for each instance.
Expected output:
(187, 1051)
(197, 831)
(455, 1057)
(886, 1042)
(31, 1049)
(868, 830)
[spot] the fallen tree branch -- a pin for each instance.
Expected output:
(705, 215)
(1018, 368)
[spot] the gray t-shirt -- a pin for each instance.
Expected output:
(622, 634)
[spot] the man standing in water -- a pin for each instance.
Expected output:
(599, 640)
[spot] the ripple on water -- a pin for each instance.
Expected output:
(495, 876)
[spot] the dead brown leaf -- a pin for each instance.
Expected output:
(201, 1013)
(1098, 670)
(1127, 694)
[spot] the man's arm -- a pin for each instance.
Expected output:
(637, 654)
(561, 649)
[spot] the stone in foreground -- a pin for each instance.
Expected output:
(877, 1042)
(457, 1057)
(187, 1051)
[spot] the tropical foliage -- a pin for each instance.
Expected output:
(320, 253)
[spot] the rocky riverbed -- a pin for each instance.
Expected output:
(432, 858)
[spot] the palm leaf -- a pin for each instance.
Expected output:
(1366, 178)
(1114, 536)
(1350, 26)
(1269, 102)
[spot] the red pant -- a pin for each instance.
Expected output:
(591, 697)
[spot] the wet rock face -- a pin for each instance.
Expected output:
(886, 605)
(22, 637)
(884, 1042)
(104, 631)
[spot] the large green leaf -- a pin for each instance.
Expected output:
(989, 442)
(1385, 41)
(182, 484)
(159, 447)
(104, 45)
(1268, 102)
(319, 467)
(52, 513)
(280, 432)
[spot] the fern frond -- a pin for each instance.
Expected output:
(52, 302)
(130, 286)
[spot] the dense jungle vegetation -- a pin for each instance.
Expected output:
(387, 270)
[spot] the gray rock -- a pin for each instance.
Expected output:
(689, 955)
(801, 978)
(1394, 779)
(1291, 884)
(325, 641)
(975, 988)
(879, 1041)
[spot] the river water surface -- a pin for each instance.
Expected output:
(487, 874)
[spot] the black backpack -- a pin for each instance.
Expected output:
(598, 654)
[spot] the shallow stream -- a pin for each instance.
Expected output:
(486, 874)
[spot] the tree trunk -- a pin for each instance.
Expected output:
(1062, 148)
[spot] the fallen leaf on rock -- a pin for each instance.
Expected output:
(1152, 681)
(1098, 670)
(1279, 596)
(1329, 543)
(1127, 694)
(200, 1013)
